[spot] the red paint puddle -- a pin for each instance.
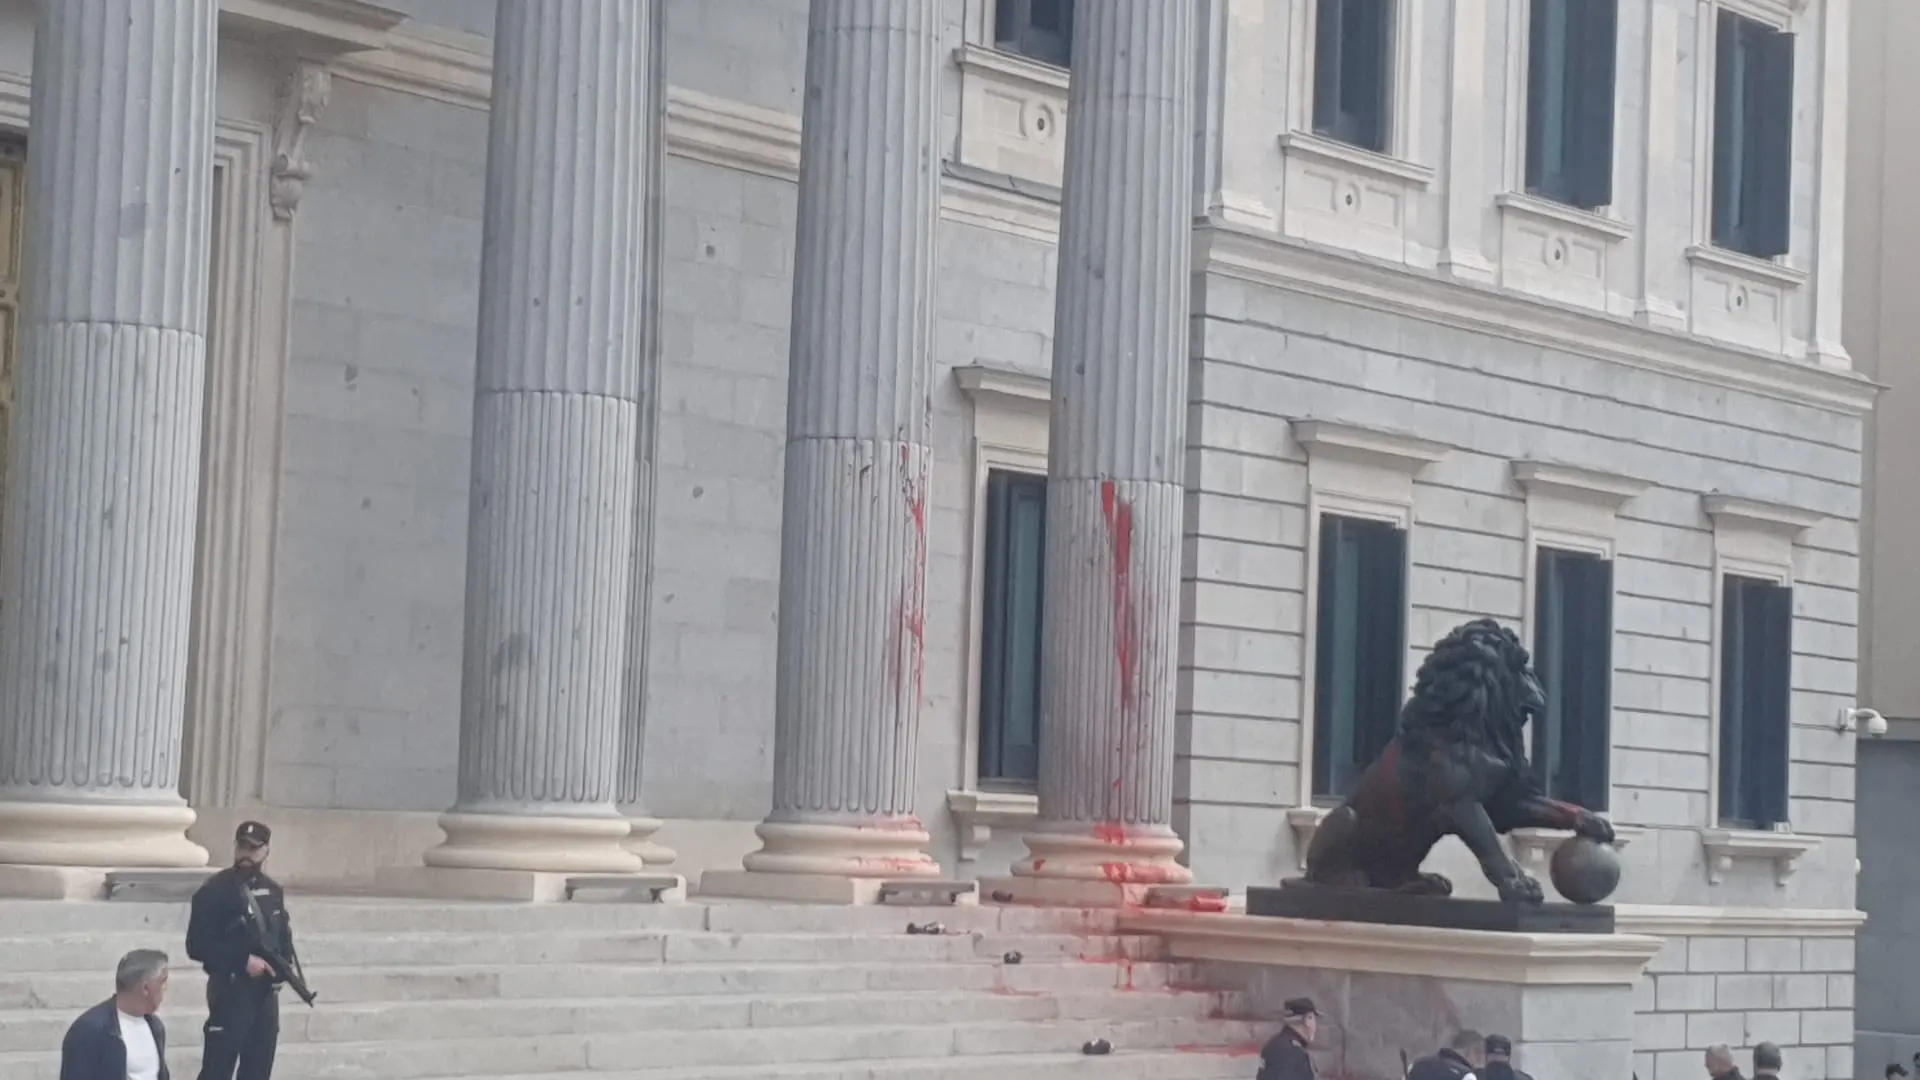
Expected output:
(1111, 832)
(1132, 874)
(1233, 1050)
(1037, 864)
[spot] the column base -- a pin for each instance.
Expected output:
(52, 883)
(640, 841)
(533, 844)
(1093, 866)
(816, 863)
(97, 836)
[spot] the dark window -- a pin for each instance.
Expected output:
(1752, 137)
(1570, 58)
(1036, 29)
(1010, 629)
(1756, 673)
(1352, 71)
(1359, 648)
(1573, 655)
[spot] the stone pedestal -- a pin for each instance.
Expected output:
(1566, 1000)
(556, 454)
(853, 552)
(1116, 463)
(103, 458)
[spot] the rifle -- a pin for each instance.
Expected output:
(285, 965)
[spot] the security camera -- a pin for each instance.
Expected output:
(1867, 720)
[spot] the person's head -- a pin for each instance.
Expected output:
(1499, 1048)
(1896, 1070)
(252, 842)
(1469, 1045)
(140, 983)
(1301, 1016)
(1766, 1059)
(1719, 1060)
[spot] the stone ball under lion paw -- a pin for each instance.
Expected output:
(1585, 871)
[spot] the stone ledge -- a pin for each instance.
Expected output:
(1685, 921)
(1472, 955)
(1722, 847)
(978, 813)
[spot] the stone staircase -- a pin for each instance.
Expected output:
(697, 991)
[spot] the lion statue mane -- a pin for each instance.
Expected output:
(1458, 767)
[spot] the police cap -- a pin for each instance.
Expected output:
(252, 834)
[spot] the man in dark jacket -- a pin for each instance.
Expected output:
(122, 1039)
(1457, 1060)
(1499, 1064)
(1285, 1055)
(237, 913)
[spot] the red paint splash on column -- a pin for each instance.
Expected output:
(1119, 515)
(910, 616)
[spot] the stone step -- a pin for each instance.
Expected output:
(77, 988)
(34, 1029)
(69, 952)
(773, 1048)
(344, 914)
(1187, 1063)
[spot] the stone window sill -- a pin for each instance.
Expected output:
(1305, 821)
(1533, 848)
(1334, 152)
(1594, 226)
(1746, 267)
(980, 812)
(1723, 847)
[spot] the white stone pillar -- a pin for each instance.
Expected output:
(1115, 462)
(555, 450)
(642, 826)
(853, 543)
(103, 461)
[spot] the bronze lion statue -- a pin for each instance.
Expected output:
(1458, 767)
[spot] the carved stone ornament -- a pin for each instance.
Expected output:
(303, 95)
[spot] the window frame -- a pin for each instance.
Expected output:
(1356, 508)
(1522, 13)
(988, 541)
(1751, 539)
(1357, 472)
(991, 34)
(1541, 542)
(1730, 27)
(1008, 433)
(1785, 16)
(1405, 63)
(1779, 578)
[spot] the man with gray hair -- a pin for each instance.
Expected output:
(121, 1038)
(1720, 1064)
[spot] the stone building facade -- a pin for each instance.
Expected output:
(1468, 283)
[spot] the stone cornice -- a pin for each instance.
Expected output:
(1574, 484)
(1004, 386)
(311, 29)
(1295, 267)
(1392, 450)
(1753, 515)
(456, 68)
(1484, 956)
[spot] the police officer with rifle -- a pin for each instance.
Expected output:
(238, 930)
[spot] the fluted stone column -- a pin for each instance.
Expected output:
(642, 826)
(103, 461)
(555, 446)
(853, 542)
(1115, 461)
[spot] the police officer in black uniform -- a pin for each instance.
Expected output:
(1285, 1055)
(1500, 1061)
(1457, 1060)
(236, 913)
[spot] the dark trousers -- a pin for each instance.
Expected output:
(243, 1028)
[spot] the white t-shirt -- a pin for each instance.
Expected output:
(143, 1057)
